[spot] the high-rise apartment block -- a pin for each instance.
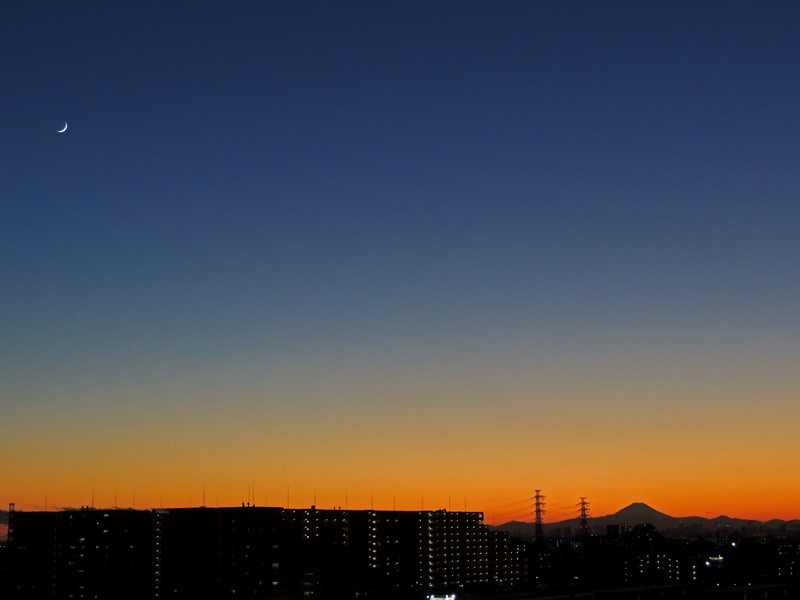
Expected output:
(254, 552)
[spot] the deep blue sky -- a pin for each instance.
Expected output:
(376, 191)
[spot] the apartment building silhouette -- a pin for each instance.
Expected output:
(254, 552)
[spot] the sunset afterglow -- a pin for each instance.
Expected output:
(401, 255)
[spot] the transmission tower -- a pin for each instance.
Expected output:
(538, 507)
(584, 527)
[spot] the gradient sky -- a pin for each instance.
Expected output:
(401, 254)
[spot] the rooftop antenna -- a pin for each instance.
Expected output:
(115, 499)
(92, 497)
(394, 500)
(204, 493)
(45, 499)
(372, 500)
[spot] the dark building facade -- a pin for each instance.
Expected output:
(254, 552)
(80, 554)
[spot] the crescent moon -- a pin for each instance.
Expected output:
(62, 130)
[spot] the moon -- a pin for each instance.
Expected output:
(62, 130)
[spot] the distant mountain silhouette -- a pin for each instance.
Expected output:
(639, 513)
(636, 514)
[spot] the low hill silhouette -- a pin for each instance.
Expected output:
(640, 513)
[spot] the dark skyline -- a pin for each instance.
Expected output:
(291, 553)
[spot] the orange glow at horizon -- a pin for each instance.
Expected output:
(704, 447)
(495, 510)
(500, 490)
